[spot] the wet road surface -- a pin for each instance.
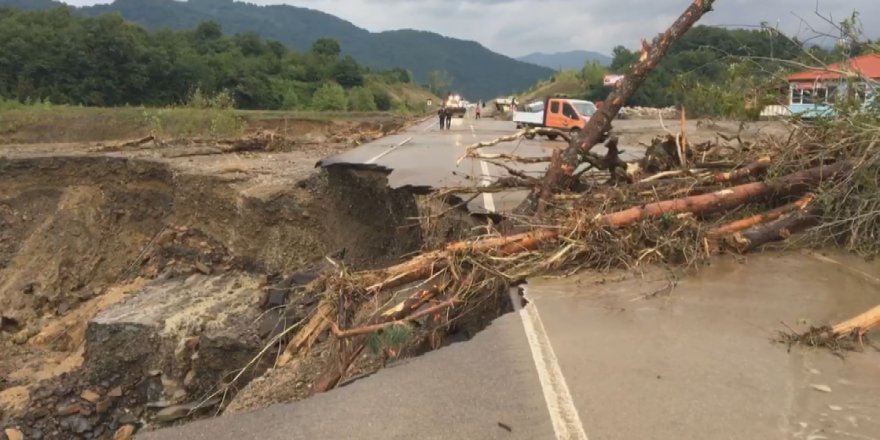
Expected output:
(427, 157)
(621, 356)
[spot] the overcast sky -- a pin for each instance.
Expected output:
(519, 27)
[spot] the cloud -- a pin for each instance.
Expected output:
(519, 27)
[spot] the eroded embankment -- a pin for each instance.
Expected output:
(131, 292)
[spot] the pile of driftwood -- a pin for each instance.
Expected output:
(679, 204)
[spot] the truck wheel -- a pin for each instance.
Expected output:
(552, 137)
(529, 136)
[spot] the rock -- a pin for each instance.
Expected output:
(8, 323)
(90, 396)
(69, 409)
(146, 331)
(115, 392)
(77, 424)
(201, 267)
(13, 434)
(103, 405)
(166, 237)
(189, 379)
(159, 404)
(20, 338)
(63, 308)
(172, 413)
(822, 388)
(128, 419)
(125, 432)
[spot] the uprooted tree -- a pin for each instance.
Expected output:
(561, 172)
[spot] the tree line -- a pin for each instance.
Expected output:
(59, 57)
(719, 72)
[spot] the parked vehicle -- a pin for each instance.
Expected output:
(456, 106)
(560, 113)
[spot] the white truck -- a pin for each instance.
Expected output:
(560, 113)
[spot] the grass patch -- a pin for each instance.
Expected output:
(43, 122)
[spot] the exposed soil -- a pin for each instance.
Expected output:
(136, 280)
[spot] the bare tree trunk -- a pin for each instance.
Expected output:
(600, 122)
(860, 325)
(791, 184)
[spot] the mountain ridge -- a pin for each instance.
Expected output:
(572, 59)
(476, 71)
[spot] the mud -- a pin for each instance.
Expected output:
(141, 275)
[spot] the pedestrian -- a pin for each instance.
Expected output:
(442, 114)
(477, 111)
(448, 118)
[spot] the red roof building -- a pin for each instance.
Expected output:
(865, 66)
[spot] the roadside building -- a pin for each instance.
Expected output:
(813, 92)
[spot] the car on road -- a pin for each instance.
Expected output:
(456, 105)
(560, 113)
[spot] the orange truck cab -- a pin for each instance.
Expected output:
(559, 113)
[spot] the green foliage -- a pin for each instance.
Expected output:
(188, 122)
(221, 100)
(330, 97)
(327, 47)
(593, 74)
(348, 73)
(439, 82)
(740, 93)
(392, 337)
(622, 59)
(476, 71)
(361, 99)
(59, 57)
(383, 100)
(703, 59)
(396, 75)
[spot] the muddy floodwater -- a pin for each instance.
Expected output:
(699, 360)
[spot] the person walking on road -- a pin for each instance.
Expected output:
(448, 118)
(477, 111)
(442, 114)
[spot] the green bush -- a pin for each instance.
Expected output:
(330, 97)
(383, 100)
(361, 99)
(221, 100)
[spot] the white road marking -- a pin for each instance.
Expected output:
(384, 153)
(566, 421)
(488, 199)
(430, 126)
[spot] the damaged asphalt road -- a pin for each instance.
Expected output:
(426, 157)
(607, 356)
(602, 356)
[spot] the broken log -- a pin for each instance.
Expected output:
(367, 329)
(791, 184)
(757, 219)
(859, 325)
(136, 142)
(776, 230)
(752, 169)
(561, 176)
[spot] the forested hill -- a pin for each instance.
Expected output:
(64, 58)
(474, 70)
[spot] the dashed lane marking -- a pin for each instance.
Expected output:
(386, 152)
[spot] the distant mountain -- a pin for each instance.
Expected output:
(476, 71)
(574, 59)
(30, 5)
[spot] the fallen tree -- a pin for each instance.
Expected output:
(561, 175)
